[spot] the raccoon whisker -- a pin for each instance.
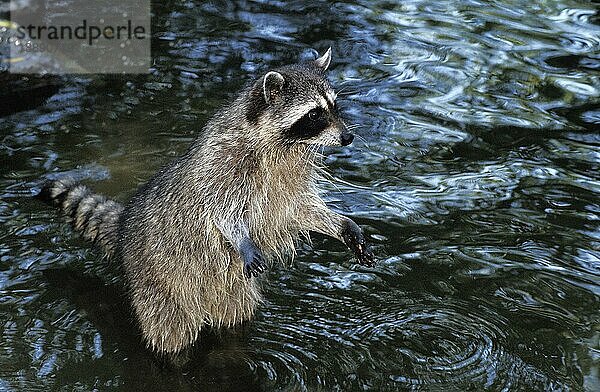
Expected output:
(341, 90)
(329, 179)
(322, 156)
(344, 91)
(303, 156)
(311, 156)
(308, 158)
(352, 126)
(318, 158)
(347, 93)
(363, 140)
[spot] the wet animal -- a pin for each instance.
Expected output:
(192, 240)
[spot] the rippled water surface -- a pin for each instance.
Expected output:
(476, 178)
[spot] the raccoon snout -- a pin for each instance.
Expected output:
(347, 138)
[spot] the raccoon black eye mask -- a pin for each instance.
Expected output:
(192, 240)
(310, 125)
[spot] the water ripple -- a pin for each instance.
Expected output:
(475, 176)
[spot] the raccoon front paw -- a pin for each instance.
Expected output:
(355, 240)
(254, 261)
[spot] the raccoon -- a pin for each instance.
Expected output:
(194, 238)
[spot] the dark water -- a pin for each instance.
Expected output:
(476, 179)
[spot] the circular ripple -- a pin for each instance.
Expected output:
(435, 343)
(383, 342)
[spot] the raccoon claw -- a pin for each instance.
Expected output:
(354, 239)
(254, 261)
(365, 255)
(255, 266)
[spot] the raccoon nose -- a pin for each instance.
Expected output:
(347, 138)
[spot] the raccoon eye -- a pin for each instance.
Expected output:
(313, 115)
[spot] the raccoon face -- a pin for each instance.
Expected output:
(298, 104)
(321, 124)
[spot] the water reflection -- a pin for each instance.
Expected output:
(476, 177)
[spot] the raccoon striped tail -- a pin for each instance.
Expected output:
(93, 215)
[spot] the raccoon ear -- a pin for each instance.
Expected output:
(323, 61)
(272, 85)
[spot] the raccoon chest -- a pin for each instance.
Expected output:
(273, 223)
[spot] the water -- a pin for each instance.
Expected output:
(476, 179)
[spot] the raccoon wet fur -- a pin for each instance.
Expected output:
(193, 239)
